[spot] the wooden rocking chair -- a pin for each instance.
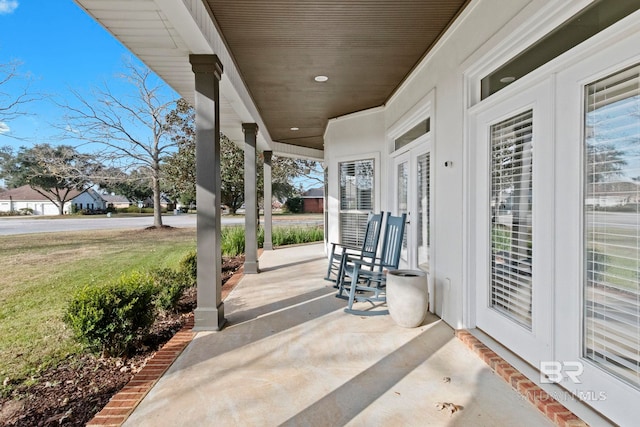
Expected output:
(368, 250)
(369, 278)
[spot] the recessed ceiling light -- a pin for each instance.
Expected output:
(295, 128)
(321, 78)
(507, 79)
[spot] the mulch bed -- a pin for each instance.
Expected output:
(71, 393)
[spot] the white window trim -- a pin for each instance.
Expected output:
(536, 344)
(543, 21)
(420, 111)
(377, 166)
(425, 107)
(515, 38)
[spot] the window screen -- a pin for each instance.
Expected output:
(511, 225)
(612, 224)
(356, 199)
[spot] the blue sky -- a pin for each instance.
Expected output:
(59, 46)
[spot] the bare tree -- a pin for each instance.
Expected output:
(13, 99)
(131, 129)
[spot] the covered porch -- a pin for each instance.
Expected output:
(290, 355)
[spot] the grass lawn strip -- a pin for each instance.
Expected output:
(40, 272)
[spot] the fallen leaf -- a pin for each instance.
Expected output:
(447, 406)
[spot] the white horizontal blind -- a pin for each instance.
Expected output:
(511, 219)
(612, 224)
(424, 223)
(402, 191)
(356, 199)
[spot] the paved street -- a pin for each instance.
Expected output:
(22, 225)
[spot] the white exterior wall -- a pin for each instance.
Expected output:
(358, 136)
(365, 132)
(87, 199)
(39, 207)
(485, 36)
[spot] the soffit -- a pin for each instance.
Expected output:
(365, 47)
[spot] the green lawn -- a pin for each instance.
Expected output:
(40, 272)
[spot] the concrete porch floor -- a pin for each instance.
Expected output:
(291, 356)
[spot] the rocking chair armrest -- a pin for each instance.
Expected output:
(346, 246)
(360, 262)
(373, 263)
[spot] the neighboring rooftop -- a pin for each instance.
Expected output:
(314, 193)
(27, 193)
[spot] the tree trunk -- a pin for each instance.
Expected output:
(60, 208)
(157, 207)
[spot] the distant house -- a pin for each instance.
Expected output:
(115, 201)
(90, 200)
(612, 194)
(25, 197)
(165, 202)
(313, 200)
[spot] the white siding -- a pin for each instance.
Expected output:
(355, 137)
(39, 207)
(488, 33)
(364, 133)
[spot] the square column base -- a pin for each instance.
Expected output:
(251, 267)
(209, 319)
(267, 246)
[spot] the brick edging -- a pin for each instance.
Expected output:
(546, 404)
(122, 404)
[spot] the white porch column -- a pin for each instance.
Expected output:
(209, 313)
(250, 199)
(268, 241)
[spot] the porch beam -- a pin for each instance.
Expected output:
(209, 313)
(268, 241)
(250, 199)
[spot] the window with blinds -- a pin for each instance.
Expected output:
(612, 224)
(356, 199)
(511, 222)
(402, 191)
(423, 225)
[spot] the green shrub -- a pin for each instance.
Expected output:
(294, 205)
(189, 266)
(136, 209)
(232, 241)
(282, 236)
(111, 318)
(170, 285)
(233, 244)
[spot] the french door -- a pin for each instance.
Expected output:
(412, 189)
(598, 228)
(512, 158)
